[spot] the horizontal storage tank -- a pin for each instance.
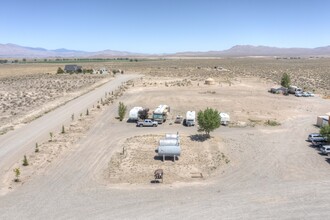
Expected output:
(169, 142)
(171, 136)
(169, 151)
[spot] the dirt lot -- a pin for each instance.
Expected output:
(272, 172)
(307, 73)
(138, 160)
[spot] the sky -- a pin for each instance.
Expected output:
(164, 26)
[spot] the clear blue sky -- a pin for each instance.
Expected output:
(164, 26)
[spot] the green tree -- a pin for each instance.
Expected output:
(208, 120)
(325, 131)
(285, 80)
(60, 70)
(143, 114)
(25, 161)
(17, 174)
(122, 111)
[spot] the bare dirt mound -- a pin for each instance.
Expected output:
(137, 160)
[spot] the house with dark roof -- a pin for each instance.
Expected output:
(72, 68)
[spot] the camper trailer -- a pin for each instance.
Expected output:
(190, 118)
(224, 118)
(294, 89)
(160, 113)
(134, 114)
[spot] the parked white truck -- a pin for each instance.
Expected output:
(147, 123)
(134, 114)
(190, 118)
(224, 118)
(160, 113)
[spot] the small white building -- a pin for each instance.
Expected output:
(323, 120)
(103, 70)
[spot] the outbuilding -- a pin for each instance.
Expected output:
(209, 81)
(322, 120)
(72, 68)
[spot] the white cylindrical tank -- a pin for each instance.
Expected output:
(169, 142)
(171, 136)
(169, 151)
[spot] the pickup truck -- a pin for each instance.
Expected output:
(147, 123)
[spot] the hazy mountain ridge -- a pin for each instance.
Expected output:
(17, 51)
(249, 50)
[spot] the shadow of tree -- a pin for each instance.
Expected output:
(199, 137)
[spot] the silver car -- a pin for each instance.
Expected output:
(305, 94)
(310, 94)
(325, 149)
(315, 137)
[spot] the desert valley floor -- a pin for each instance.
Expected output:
(102, 168)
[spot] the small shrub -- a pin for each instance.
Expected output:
(25, 161)
(37, 148)
(17, 174)
(272, 123)
(51, 136)
(63, 129)
(60, 70)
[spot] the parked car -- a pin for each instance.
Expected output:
(310, 94)
(298, 94)
(325, 149)
(319, 143)
(178, 119)
(147, 123)
(305, 94)
(315, 137)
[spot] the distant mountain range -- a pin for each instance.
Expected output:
(17, 51)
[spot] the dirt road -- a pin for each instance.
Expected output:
(274, 174)
(17, 142)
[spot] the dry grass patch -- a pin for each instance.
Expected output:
(136, 161)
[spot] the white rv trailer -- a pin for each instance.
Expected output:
(160, 113)
(134, 114)
(224, 118)
(190, 118)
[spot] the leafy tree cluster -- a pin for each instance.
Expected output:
(325, 131)
(143, 114)
(285, 80)
(208, 120)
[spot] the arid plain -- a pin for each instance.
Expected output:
(102, 168)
